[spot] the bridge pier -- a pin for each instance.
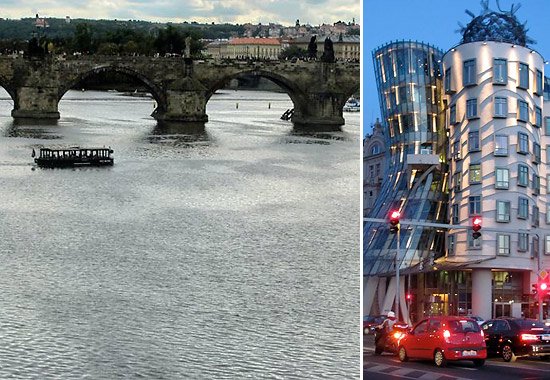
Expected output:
(185, 102)
(321, 111)
(36, 103)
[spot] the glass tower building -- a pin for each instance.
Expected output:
(409, 81)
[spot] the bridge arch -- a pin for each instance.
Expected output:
(294, 93)
(156, 91)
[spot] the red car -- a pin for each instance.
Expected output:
(443, 339)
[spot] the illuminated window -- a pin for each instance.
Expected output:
(456, 150)
(457, 181)
(475, 174)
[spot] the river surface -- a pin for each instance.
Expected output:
(228, 254)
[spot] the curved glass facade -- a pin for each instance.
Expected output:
(409, 81)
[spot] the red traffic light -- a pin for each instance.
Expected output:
(543, 286)
(409, 297)
(395, 214)
(476, 224)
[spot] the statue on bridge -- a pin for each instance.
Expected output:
(312, 48)
(187, 47)
(328, 53)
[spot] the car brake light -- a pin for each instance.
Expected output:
(446, 335)
(528, 337)
(482, 334)
(397, 335)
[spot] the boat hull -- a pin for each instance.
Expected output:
(63, 163)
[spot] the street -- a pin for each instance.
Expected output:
(387, 366)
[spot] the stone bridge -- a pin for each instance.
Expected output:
(182, 87)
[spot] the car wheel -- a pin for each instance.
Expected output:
(479, 362)
(508, 354)
(439, 359)
(402, 354)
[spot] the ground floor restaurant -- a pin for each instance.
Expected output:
(483, 292)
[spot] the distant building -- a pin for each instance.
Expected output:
(245, 47)
(373, 166)
(345, 47)
(67, 19)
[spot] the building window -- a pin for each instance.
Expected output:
(473, 141)
(548, 154)
(501, 145)
(548, 213)
(456, 181)
(523, 110)
(535, 247)
(456, 150)
(523, 76)
(538, 117)
(474, 243)
(523, 175)
(456, 216)
(475, 173)
(536, 153)
(469, 77)
(501, 107)
(548, 184)
(452, 114)
(536, 184)
(503, 211)
(471, 108)
(503, 244)
(474, 205)
(523, 143)
(523, 242)
(539, 87)
(523, 208)
(451, 240)
(448, 80)
(535, 220)
(375, 149)
(547, 245)
(503, 179)
(547, 126)
(500, 71)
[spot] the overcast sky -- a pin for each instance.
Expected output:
(219, 11)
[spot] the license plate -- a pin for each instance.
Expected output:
(469, 353)
(546, 337)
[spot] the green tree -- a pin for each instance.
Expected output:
(82, 40)
(107, 48)
(293, 51)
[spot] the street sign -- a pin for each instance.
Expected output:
(543, 275)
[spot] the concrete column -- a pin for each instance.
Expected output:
(381, 294)
(321, 111)
(370, 284)
(482, 293)
(36, 103)
(389, 299)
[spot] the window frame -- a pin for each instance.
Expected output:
(536, 153)
(502, 187)
(523, 237)
(505, 217)
(498, 100)
(523, 208)
(539, 83)
(521, 67)
(457, 181)
(452, 114)
(500, 79)
(523, 142)
(506, 242)
(476, 148)
(448, 81)
(471, 109)
(520, 173)
(538, 117)
(477, 205)
(519, 115)
(496, 152)
(469, 76)
(474, 170)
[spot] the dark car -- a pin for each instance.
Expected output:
(371, 322)
(514, 337)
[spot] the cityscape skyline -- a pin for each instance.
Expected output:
(203, 11)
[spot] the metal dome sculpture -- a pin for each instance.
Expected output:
(500, 26)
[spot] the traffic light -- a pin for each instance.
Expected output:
(476, 226)
(535, 289)
(394, 221)
(409, 297)
(543, 289)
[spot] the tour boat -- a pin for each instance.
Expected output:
(352, 105)
(75, 156)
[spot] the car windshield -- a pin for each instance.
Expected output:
(463, 326)
(531, 325)
(368, 318)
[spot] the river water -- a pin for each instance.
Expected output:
(228, 254)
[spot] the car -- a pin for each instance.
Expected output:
(371, 322)
(511, 338)
(477, 318)
(444, 339)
